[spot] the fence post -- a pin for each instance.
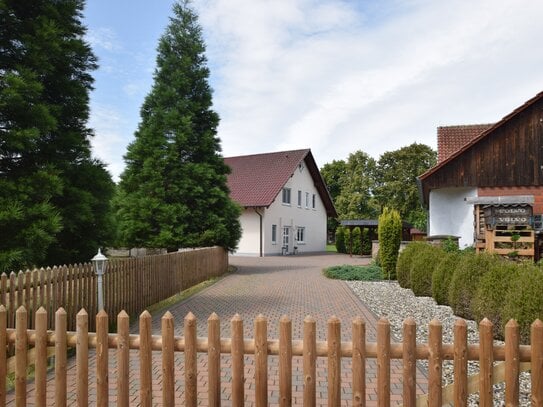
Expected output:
(359, 362)
(60, 357)
(285, 361)
(537, 362)
(102, 356)
(238, 393)
(383, 362)
(3, 350)
(435, 331)
(460, 363)
(123, 356)
(512, 363)
(168, 371)
(261, 361)
(409, 362)
(334, 361)
(214, 359)
(21, 348)
(41, 357)
(82, 358)
(191, 370)
(146, 362)
(310, 360)
(486, 361)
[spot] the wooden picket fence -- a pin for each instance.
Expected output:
(129, 284)
(261, 347)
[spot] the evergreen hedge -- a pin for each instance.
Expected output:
(422, 269)
(405, 258)
(340, 240)
(390, 237)
(357, 241)
(441, 279)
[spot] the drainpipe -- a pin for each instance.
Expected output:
(260, 216)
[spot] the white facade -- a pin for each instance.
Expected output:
(298, 228)
(450, 214)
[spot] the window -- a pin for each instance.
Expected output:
(286, 236)
(307, 199)
(300, 234)
(274, 234)
(314, 201)
(286, 196)
(299, 198)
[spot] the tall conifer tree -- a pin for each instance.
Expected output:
(173, 190)
(52, 192)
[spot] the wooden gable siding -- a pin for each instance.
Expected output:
(510, 155)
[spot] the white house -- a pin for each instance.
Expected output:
(285, 200)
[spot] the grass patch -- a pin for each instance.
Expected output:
(331, 248)
(183, 295)
(371, 272)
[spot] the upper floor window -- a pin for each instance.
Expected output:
(307, 199)
(314, 201)
(299, 198)
(286, 196)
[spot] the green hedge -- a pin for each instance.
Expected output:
(340, 240)
(406, 257)
(465, 280)
(357, 241)
(390, 237)
(422, 269)
(441, 279)
(524, 300)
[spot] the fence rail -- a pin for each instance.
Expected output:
(261, 347)
(130, 284)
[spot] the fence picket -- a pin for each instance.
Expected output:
(60, 358)
(21, 347)
(41, 357)
(3, 355)
(310, 360)
(261, 361)
(383, 362)
(168, 376)
(238, 393)
(102, 355)
(190, 361)
(359, 362)
(460, 363)
(285, 361)
(409, 362)
(214, 360)
(486, 360)
(82, 358)
(536, 337)
(123, 359)
(146, 367)
(512, 363)
(334, 361)
(11, 309)
(435, 331)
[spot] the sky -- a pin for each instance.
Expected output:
(335, 76)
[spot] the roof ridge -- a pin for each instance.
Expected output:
(271, 153)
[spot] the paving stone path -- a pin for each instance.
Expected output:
(273, 287)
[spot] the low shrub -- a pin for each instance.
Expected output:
(441, 279)
(465, 280)
(340, 240)
(524, 301)
(422, 269)
(488, 301)
(403, 266)
(362, 273)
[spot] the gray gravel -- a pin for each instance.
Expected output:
(388, 299)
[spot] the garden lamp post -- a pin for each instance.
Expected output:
(100, 262)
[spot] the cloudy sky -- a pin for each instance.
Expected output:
(335, 76)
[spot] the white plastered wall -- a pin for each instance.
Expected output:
(450, 214)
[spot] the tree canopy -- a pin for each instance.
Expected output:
(173, 192)
(46, 169)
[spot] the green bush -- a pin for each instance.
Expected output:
(357, 241)
(390, 237)
(366, 242)
(346, 272)
(489, 296)
(340, 240)
(441, 279)
(403, 267)
(347, 240)
(422, 269)
(465, 280)
(524, 300)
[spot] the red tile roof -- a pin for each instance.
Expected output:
(450, 139)
(256, 180)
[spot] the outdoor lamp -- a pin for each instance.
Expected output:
(100, 262)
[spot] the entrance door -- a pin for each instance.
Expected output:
(286, 239)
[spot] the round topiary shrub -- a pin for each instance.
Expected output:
(340, 240)
(422, 269)
(357, 241)
(403, 266)
(524, 300)
(441, 279)
(489, 296)
(465, 280)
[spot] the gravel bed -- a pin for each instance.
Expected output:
(389, 300)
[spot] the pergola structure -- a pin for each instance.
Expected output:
(371, 225)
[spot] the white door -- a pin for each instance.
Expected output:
(286, 238)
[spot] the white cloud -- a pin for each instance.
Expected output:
(304, 73)
(103, 37)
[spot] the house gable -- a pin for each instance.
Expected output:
(508, 154)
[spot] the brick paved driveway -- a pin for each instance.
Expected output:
(272, 286)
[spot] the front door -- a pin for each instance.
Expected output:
(286, 239)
